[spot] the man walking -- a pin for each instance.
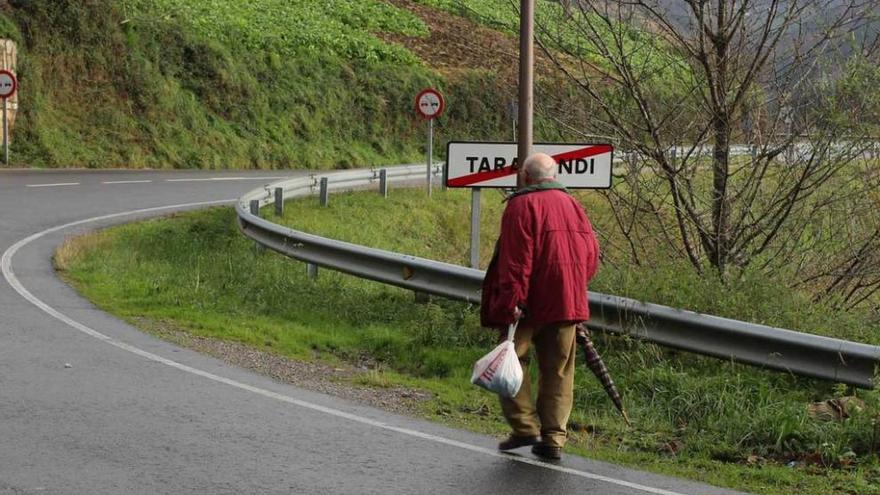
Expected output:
(544, 259)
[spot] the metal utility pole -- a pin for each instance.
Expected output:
(5, 134)
(526, 80)
(430, 152)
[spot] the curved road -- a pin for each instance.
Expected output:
(89, 405)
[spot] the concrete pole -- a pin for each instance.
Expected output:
(279, 202)
(383, 183)
(526, 80)
(324, 192)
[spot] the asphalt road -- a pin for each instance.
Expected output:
(89, 405)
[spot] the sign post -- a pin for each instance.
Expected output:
(430, 104)
(475, 227)
(512, 114)
(430, 153)
(8, 86)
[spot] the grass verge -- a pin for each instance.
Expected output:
(695, 417)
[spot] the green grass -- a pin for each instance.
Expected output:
(290, 28)
(225, 85)
(696, 417)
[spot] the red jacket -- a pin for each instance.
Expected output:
(544, 259)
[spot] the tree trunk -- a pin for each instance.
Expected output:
(720, 196)
(721, 131)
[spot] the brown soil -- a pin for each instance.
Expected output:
(457, 44)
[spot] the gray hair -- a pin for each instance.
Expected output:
(540, 166)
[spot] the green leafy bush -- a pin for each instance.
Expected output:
(291, 28)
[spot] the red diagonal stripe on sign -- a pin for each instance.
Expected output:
(467, 180)
(586, 152)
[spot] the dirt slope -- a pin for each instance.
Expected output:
(456, 44)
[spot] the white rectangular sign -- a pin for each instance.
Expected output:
(475, 164)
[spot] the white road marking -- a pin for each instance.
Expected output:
(223, 178)
(9, 274)
(54, 185)
(126, 182)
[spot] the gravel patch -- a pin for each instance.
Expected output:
(337, 380)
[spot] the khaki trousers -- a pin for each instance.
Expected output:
(555, 350)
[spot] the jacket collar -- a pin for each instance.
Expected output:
(540, 186)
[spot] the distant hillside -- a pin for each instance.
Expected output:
(228, 84)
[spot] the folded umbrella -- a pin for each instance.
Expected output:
(597, 366)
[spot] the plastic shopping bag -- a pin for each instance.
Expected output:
(499, 371)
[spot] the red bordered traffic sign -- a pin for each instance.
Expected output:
(429, 103)
(8, 84)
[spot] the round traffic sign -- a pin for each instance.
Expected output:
(8, 84)
(429, 103)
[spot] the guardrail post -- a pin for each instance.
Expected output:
(325, 195)
(255, 211)
(279, 201)
(754, 150)
(312, 270)
(383, 183)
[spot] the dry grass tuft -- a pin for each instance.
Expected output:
(74, 247)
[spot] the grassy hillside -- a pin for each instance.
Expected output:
(219, 84)
(269, 83)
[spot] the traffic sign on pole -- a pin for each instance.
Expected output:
(475, 164)
(8, 86)
(429, 103)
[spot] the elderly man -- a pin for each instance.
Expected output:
(544, 259)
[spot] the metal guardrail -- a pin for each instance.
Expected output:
(759, 345)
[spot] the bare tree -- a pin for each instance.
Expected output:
(677, 83)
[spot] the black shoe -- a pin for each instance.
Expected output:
(547, 452)
(515, 442)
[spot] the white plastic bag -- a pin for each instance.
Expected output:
(499, 371)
